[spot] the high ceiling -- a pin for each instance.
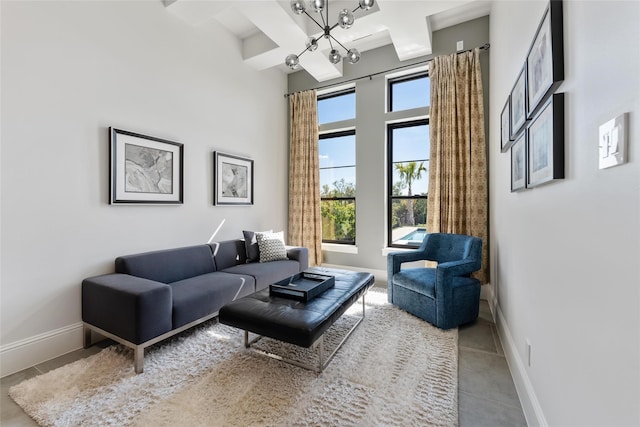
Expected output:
(269, 30)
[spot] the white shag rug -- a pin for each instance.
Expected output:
(394, 370)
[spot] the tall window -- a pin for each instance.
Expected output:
(408, 181)
(337, 106)
(406, 92)
(337, 152)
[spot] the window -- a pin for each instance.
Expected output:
(337, 106)
(407, 182)
(337, 153)
(408, 92)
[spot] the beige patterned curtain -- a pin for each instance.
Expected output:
(457, 200)
(305, 224)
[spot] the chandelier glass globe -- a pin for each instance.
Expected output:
(345, 19)
(292, 61)
(317, 5)
(297, 6)
(312, 44)
(353, 55)
(334, 56)
(366, 4)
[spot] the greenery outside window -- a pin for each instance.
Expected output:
(407, 182)
(337, 152)
(407, 92)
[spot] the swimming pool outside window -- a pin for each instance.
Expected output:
(407, 182)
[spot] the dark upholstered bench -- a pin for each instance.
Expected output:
(297, 322)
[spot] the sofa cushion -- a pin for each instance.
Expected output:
(203, 295)
(228, 253)
(271, 246)
(169, 265)
(251, 244)
(420, 280)
(266, 273)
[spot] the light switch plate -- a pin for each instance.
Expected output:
(612, 142)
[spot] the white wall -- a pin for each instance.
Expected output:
(565, 255)
(69, 71)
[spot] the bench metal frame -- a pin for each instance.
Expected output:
(319, 346)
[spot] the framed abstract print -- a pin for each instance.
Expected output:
(145, 169)
(545, 143)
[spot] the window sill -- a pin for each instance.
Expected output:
(336, 247)
(386, 251)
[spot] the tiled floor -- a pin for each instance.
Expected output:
(487, 395)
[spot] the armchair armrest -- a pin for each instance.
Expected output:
(129, 307)
(300, 254)
(396, 259)
(447, 270)
(462, 267)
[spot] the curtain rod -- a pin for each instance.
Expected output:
(485, 46)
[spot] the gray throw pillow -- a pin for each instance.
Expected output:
(251, 245)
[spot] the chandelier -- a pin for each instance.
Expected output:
(345, 20)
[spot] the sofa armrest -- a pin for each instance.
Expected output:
(300, 254)
(129, 307)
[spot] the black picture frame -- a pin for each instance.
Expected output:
(545, 59)
(545, 143)
(145, 169)
(505, 127)
(519, 163)
(518, 104)
(233, 179)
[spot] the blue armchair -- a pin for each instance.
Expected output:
(445, 296)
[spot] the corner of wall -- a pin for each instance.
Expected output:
(526, 393)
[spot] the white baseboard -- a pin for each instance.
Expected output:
(528, 399)
(31, 351)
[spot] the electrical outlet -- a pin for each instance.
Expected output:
(460, 45)
(528, 353)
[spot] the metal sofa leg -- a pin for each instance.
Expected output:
(86, 336)
(138, 359)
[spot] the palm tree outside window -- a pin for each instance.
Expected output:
(408, 181)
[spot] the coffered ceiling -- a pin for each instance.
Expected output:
(269, 30)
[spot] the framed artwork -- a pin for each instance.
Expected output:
(518, 163)
(545, 143)
(233, 179)
(518, 108)
(145, 169)
(505, 127)
(545, 60)
(612, 142)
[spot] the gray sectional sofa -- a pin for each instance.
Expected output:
(155, 295)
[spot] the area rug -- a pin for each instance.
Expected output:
(394, 370)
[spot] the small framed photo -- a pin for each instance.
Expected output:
(612, 142)
(518, 164)
(145, 169)
(233, 179)
(545, 60)
(545, 143)
(505, 127)
(518, 108)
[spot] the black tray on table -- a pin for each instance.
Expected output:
(302, 286)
